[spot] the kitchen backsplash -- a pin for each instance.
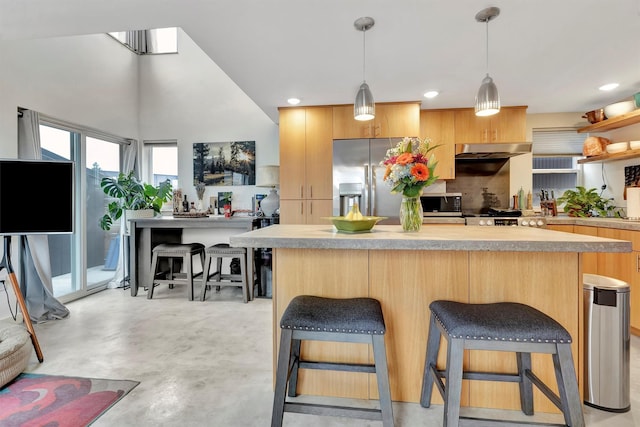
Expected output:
(481, 192)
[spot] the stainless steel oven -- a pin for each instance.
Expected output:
(441, 204)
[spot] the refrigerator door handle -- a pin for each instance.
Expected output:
(365, 205)
(373, 191)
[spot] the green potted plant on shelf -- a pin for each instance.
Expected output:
(131, 194)
(584, 203)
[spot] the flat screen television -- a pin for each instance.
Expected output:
(36, 197)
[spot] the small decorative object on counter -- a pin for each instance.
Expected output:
(185, 204)
(410, 168)
(411, 213)
(177, 200)
(200, 187)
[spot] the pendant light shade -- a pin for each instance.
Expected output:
(364, 108)
(487, 99)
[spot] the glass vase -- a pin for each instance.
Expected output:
(411, 214)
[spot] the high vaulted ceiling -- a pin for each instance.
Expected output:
(551, 55)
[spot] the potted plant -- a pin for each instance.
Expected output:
(584, 203)
(131, 194)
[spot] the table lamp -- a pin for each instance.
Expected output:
(269, 176)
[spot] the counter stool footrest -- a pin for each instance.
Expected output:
(333, 410)
(333, 366)
(479, 422)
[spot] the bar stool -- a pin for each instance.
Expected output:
(502, 326)
(174, 252)
(217, 278)
(357, 320)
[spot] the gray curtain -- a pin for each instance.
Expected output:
(36, 284)
(129, 163)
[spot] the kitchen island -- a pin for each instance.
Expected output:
(406, 271)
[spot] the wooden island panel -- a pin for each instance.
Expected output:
(333, 274)
(405, 282)
(546, 281)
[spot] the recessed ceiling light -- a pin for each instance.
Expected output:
(609, 86)
(293, 101)
(431, 94)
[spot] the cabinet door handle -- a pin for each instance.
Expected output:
(310, 208)
(301, 191)
(485, 135)
(495, 135)
(311, 191)
(637, 263)
(301, 208)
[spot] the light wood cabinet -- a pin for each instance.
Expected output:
(306, 148)
(624, 267)
(305, 211)
(589, 259)
(509, 125)
(439, 126)
(392, 121)
(621, 266)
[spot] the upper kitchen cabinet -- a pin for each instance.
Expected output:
(392, 120)
(509, 125)
(305, 161)
(439, 126)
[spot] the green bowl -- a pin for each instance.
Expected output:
(355, 226)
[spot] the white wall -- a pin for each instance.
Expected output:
(93, 81)
(611, 174)
(189, 98)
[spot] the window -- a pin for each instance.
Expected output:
(161, 159)
(149, 42)
(89, 259)
(555, 161)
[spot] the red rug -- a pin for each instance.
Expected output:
(34, 400)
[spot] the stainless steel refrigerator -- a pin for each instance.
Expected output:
(357, 161)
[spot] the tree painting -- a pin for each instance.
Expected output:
(224, 163)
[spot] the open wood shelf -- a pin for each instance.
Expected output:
(617, 122)
(609, 157)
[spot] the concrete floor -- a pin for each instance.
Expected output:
(209, 363)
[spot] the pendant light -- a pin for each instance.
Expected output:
(488, 99)
(364, 108)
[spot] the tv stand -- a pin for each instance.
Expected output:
(6, 263)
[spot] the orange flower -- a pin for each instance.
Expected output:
(387, 172)
(404, 159)
(420, 172)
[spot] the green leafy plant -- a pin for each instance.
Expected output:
(584, 203)
(132, 194)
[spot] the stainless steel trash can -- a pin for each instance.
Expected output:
(607, 343)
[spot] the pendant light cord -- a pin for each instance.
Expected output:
(487, 21)
(364, 52)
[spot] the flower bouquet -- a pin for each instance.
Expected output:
(410, 168)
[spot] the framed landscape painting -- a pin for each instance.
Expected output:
(224, 163)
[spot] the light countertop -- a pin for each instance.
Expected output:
(619, 223)
(441, 238)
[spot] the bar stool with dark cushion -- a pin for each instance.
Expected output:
(217, 278)
(501, 326)
(175, 252)
(357, 320)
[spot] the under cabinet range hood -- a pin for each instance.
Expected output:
(491, 151)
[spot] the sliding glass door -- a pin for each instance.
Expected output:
(87, 260)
